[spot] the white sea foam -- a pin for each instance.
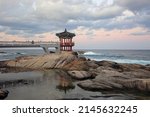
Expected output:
(3, 54)
(91, 53)
(21, 53)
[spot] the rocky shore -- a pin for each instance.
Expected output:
(92, 75)
(3, 94)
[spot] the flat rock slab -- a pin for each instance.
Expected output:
(47, 61)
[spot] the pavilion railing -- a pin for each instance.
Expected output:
(67, 44)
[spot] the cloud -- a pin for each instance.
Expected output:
(141, 33)
(36, 16)
(143, 20)
(31, 17)
(140, 9)
(134, 5)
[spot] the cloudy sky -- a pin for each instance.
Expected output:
(98, 24)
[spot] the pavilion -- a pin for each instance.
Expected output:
(66, 40)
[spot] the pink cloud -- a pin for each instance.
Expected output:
(85, 38)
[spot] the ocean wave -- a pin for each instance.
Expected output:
(4, 54)
(114, 56)
(131, 61)
(20, 53)
(90, 53)
(143, 62)
(94, 54)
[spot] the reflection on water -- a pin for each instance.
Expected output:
(36, 84)
(65, 84)
(62, 81)
(49, 85)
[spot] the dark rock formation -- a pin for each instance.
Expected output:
(2, 64)
(3, 94)
(148, 65)
(2, 52)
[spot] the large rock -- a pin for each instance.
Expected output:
(80, 75)
(64, 60)
(112, 80)
(3, 94)
(78, 65)
(48, 61)
(121, 67)
(93, 85)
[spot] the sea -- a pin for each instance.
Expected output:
(56, 84)
(120, 56)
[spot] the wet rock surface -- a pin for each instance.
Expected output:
(95, 75)
(3, 94)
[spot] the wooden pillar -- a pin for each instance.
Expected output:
(61, 42)
(71, 44)
(65, 44)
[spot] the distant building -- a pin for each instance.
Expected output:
(66, 40)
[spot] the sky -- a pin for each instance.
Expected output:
(98, 24)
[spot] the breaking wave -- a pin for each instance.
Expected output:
(116, 57)
(90, 53)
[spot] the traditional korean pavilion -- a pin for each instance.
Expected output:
(65, 40)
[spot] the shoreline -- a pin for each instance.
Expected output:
(91, 75)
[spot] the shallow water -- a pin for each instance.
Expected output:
(50, 85)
